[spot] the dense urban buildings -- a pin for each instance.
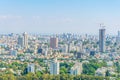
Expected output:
(70, 54)
(59, 40)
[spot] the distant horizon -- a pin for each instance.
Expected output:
(33, 33)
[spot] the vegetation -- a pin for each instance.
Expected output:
(117, 65)
(90, 68)
(107, 73)
(65, 67)
(31, 76)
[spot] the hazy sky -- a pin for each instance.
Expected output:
(58, 16)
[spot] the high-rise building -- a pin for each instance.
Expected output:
(20, 41)
(25, 40)
(31, 68)
(76, 69)
(65, 48)
(54, 67)
(118, 37)
(70, 45)
(53, 43)
(102, 40)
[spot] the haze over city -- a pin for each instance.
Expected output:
(59, 16)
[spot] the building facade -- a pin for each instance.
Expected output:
(54, 67)
(76, 69)
(25, 40)
(118, 38)
(102, 40)
(31, 68)
(53, 43)
(20, 41)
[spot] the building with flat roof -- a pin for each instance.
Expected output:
(53, 43)
(25, 40)
(54, 67)
(76, 69)
(31, 68)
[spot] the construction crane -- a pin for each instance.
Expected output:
(102, 26)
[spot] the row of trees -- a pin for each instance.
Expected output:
(31, 76)
(90, 68)
(65, 67)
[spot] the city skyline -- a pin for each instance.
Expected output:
(73, 16)
(59, 40)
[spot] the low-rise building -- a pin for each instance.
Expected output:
(76, 69)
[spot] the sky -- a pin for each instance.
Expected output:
(59, 16)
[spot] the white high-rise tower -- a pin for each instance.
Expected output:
(54, 67)
(25, 40)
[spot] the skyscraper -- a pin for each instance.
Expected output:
(118, 37)
(102, 40)
(119, 33)
(25, 40)
(54, 67)
(20, 41)
(53, 43)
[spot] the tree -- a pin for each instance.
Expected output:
(107, 73)
(63, 70)
(31, 76)
(46, 77)
(90, 68)
(117, 67)
(21, 78)
(38, 74)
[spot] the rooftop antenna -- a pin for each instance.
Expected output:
(102, 26)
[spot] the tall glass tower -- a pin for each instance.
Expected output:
(102, 40)
(118, 38)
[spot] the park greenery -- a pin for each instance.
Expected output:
(88, 73)
(31, 76)
(90, 68)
